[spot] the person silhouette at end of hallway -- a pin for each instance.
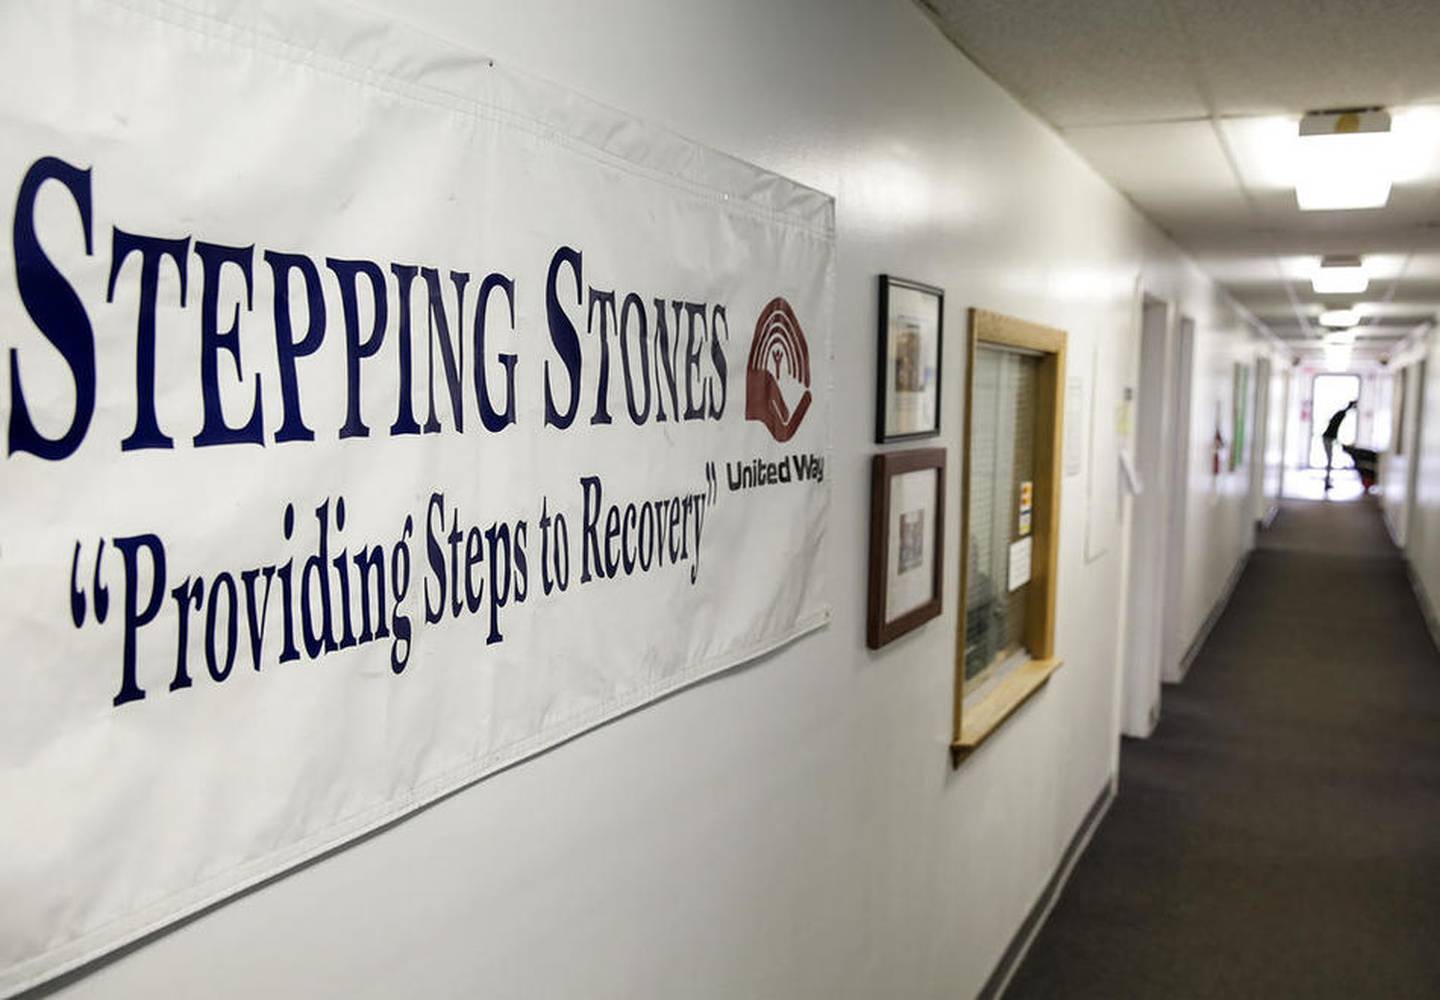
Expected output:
(1332, 431)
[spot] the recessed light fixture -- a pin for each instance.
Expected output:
(1345, 160)
(1340, 317)
(1340, 276)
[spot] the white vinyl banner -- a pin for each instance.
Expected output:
(374, 417)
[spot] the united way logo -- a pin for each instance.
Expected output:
(777, 377)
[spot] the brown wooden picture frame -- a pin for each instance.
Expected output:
(977, 721)
(883, 468)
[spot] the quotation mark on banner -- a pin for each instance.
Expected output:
(77, 594)
(712, 482)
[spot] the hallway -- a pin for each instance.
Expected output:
(1279, 835)
(650, 500)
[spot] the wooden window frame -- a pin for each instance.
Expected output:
(975, 722)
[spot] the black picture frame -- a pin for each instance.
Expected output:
(883, 468)
(884, 366)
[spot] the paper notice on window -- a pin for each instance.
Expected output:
(1020, 562)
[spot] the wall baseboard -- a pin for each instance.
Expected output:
(1391, 528)
(1216, 611)
(1019, 946)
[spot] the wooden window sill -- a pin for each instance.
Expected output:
(977, 722)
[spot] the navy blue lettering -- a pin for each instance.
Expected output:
(474, 583)
(255, 617)
(452, 353)
(287, 348)
(56, 311)
(606, 302)
(405, 414)
(436, 557)
(213, 340)
(634, 306)
(347, 274)
(495, 536)
(370, 566)
(137, 617)
(224, 583)
(190, 592)
(590, 540)
(564, 337)
(665, 358)
(147, 433)
(522, 570)
(717, 358)
(694, 345)
(319, 637)
(492, 419)
(400, 586)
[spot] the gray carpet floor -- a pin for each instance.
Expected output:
(1279, 833)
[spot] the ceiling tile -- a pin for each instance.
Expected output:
(1115, 76)
(1078, 63)
(1170, 166)
(1284, 56)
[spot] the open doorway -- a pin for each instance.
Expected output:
(1330, 394)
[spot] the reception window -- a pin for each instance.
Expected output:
(1005, 650)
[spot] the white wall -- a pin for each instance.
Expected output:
(1422, 536)
(1397, 465)
(793, 829)
(1275, 441)
(1220, 513)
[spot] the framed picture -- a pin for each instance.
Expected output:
(907, 541)
(907, 397)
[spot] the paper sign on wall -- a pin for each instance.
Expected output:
(377, 418)
(1020, 553)
(1027, 503)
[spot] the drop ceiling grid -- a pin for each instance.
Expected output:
(1133, 85)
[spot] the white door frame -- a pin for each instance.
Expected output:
(1260, 440)
(1177, 499)
(1413, 429)
(1149, 541)
(1287, 382)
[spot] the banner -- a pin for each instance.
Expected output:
(374, 417)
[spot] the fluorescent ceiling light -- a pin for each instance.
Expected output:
(1345, 161)
(1340, 276)
(1340, 338)
(1340, 317)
